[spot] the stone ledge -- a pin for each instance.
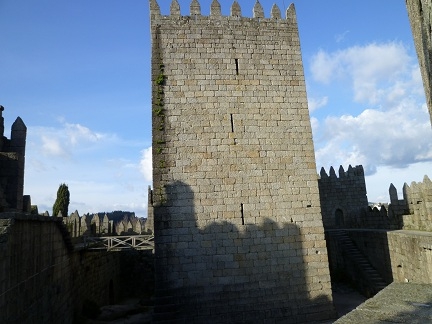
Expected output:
(398, 303)
(29, 217)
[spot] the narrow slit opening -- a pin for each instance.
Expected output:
(232, 123)
(237, 66)
(242, 213)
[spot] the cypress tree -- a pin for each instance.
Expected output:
(62, 202)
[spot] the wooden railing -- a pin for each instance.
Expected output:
(118, 243)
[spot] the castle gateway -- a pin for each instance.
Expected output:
(238, 229)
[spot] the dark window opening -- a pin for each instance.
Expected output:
(242, 213)
(232, 123)
(237, 66)
(339, 217)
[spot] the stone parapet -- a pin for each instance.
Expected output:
(43, 280)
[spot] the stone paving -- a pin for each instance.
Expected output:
(398, 303)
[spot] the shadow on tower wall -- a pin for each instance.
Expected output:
(216, 271)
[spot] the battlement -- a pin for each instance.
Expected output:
(352, 172)
(341, 197)
(216, 12)
(418, 197)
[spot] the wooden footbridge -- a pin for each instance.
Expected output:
(119, 243)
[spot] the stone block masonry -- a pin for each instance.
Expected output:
(343, 197)
(238, 229)
(420, 15)
(44, 280)
(399, 256)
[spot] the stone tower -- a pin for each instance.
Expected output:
(420, 15)
(342, 197)
(238, 229)
(12, 160)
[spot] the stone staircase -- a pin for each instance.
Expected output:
(359, 269)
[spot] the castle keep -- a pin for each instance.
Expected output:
(238, 229)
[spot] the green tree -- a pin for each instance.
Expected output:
(34, 210)
(62, 202)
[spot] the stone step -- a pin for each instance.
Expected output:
(361, 261)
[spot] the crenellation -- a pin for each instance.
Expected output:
(342, 198)
(195, 8)
(215, 9)
(341, 172)
(175, 8)
(235, 9)
(393, 193)
(332, 173)
(323, 173)
(418, 197)
(258, 11)
(275, 12)
(154, 8)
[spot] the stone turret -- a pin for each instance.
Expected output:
(12, 163)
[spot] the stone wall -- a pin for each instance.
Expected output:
(400, 256)
(342, 198)
(44, 280)
(418, 197)
(100, 224)
(238, 230)
(344, 203)
(420, 15)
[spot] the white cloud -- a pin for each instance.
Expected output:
(146, 164)
(77, 133)
(393, 130)
(341, 37)
(396, 138)
(323, 66)
(315, 103)
(371, 69)
(101, 170)
(51, 147)
(66, 141)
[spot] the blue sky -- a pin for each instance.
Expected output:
(78, 74)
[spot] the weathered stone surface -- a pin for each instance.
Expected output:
(235, 195)
(420, 15)
(43, 279)
(398, 303)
